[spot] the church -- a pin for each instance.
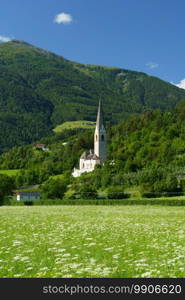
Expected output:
(89, 159)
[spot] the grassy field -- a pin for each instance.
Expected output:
(91, 241)
(10, 172)
(74, 125)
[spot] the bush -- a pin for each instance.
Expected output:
(70, 194)
(7, 185)
(167, 187)
(116, 193)
(150, 194)
(28, 203)
(147, 191)
(54, 188)
(87, 192)
(1, 200)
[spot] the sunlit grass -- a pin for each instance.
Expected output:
(74, 125)
(10, 172)
(92, 241)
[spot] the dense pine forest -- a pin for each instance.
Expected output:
(39, 90)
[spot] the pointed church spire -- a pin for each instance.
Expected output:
(99, 120)
(100, 136)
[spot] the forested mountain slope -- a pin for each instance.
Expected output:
(39, 90)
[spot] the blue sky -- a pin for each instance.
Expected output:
(141, 35)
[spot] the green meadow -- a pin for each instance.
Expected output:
(9, 172)
(74, 125)
(92, 241)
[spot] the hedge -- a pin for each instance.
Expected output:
(167, 202)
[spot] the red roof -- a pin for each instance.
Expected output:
(40, 145)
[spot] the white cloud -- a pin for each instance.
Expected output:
(63, 18)
(5, 39)
(152, 65)
(181, 84)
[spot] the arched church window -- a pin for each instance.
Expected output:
(102, 137)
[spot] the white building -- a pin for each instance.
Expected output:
(27, 196)
(40, 147)
(91, 158)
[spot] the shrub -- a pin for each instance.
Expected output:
(150, 194)
(147, 191)
(168, 186)
(28, 203)
(54, 188)
(116, 193)
(70, 194)
(7, 185)
(87, 192)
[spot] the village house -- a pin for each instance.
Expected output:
(41, 147)
(27, 196)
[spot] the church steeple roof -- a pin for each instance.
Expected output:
(99, 120)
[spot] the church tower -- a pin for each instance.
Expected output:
(100, 139)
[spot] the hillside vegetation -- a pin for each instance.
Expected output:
(146, 154)
(40, 90)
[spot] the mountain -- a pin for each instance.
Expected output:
(39, 90)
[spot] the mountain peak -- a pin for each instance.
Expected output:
(24, 47)
(20, 42)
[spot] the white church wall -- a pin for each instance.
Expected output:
(86, 165)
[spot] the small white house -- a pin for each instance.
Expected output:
(27, 196)
(41, 147)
